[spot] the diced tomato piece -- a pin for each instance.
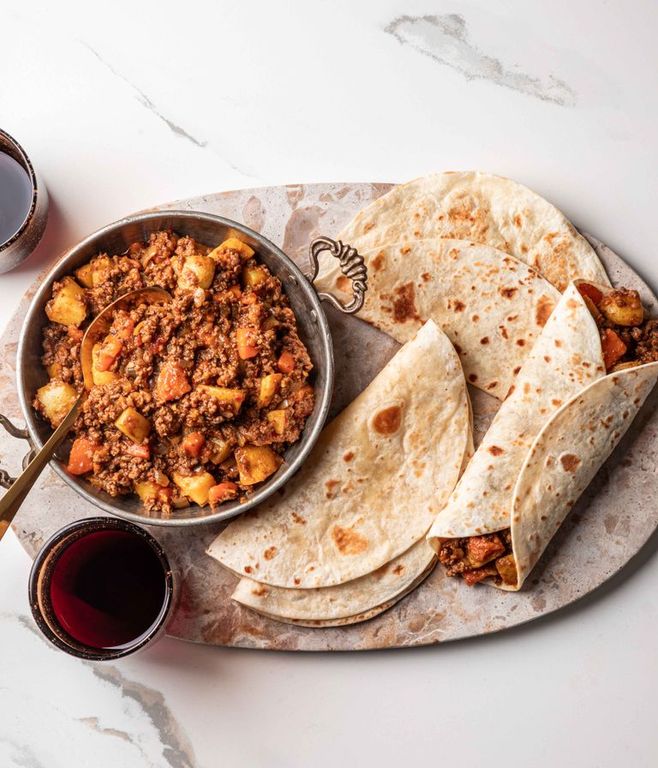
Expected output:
(222, 492)
(139, 450)
(591, 291)
(81, 458)
(286, 362)
(109, 350)
(246, 340)
(482, 549)
(171, 383)
(193, 443)
(613, 348)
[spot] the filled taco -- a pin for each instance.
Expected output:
(577, 393)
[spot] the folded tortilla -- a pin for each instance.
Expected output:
(372, 485)
(346, 603)
(482, 208)
(491, 305)
(561, 421)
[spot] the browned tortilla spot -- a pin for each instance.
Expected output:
(526, 388)
(378, 261)
(331, 485)
(558, 343)
(572, 304)
(520, 342)
(398, 569)
(545, 306)
(495, 450)
(507, 293)
(503, 331)
(484, 340)
(298, 519)
(296, 581)
(404, 307)
(248, 569)
(475, 318)
(547, 358)
(458, 349)
(517, 220)
(348, 456)
(405, 250)
(260, 591)
(426, 277)
(524, 249)
(492, 385)
(270, 552)
(570, 462)
(387, 421)
(348, 541)
(458, 306)
(367, 227)
(557, 403)
(512, 318)
(472, 377)
(343, 283)
(517, 369)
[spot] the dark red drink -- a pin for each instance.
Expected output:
(101, 588)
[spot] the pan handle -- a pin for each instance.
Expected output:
(352, 266)
(6, 480)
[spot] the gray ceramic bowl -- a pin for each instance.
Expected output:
(209, 230)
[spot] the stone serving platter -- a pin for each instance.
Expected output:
(613, 519)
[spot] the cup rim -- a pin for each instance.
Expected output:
(36, 587)
(26, 163)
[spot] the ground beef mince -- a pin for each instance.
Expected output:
(193, 400)
(476, 558)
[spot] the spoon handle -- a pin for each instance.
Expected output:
(12, 500)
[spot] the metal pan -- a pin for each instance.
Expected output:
(210, 230)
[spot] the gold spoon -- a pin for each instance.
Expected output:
(12, 500)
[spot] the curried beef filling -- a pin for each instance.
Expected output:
(194, 400)
(627, 340)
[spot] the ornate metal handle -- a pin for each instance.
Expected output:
(351, 265)
(6, 480)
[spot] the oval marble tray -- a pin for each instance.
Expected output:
(611, 522)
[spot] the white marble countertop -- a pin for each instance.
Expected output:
(153, 101)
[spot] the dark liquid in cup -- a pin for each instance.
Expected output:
(107, 589)
(15, 196)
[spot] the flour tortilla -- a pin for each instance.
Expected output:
(491, 305)
(372, 485)
(482, 208)
(550, 436)
(349, 602)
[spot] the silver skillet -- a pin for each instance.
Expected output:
(210, 230)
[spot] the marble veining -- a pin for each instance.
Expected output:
(146, 101)
(445, 39)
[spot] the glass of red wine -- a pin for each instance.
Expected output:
(101, 588)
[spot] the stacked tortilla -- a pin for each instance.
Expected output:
(483, 256)
(347, 537)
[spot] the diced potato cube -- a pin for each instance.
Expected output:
(67, 307)
(622, 307)
(268, 387)
(221, 450)
(226, 395)
(286, 362)
(53, 370)
(56, 399)
(102, 266)
(278, 418)
(98, 375)
(232, 244)
(85, 275)
(256, 463)
(195, 487)
(172, 382)
(253, 276)
(197, 272)
(506, 567)
(147, 490)
(133, 425)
